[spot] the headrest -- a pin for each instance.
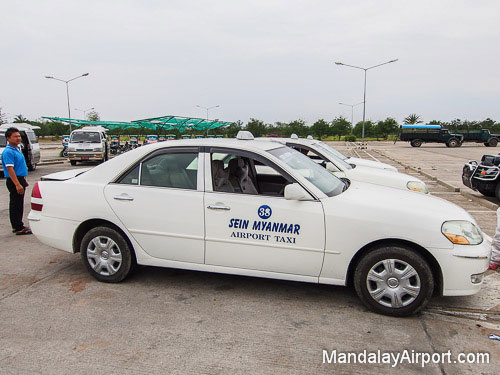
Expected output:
(235, 164)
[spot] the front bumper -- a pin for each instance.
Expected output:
(459, 264)
(84, 156)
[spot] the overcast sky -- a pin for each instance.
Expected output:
(271, 60)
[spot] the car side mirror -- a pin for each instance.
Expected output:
(330, 167)
(296, 192)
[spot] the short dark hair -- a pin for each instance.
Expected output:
(10, 131)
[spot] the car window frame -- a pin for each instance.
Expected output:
(248, 154)
(167, 150)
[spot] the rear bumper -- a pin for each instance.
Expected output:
(57, 233)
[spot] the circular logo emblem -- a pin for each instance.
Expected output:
(265, 212)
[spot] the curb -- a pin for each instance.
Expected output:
(481, 201)
(51, 162)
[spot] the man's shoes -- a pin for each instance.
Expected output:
(23, 231)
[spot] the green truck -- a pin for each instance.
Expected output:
(480, 136)
(418, 134)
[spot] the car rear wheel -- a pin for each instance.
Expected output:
(106, 254)
(72, 162)
(493, 142)
(394, 280)
(453, 143)
(416, 143)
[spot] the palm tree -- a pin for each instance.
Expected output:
(413, 119)
(20, 118)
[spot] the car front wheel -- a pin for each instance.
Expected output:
(106, 254)
(394, 280)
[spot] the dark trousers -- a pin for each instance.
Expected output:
(16, 204)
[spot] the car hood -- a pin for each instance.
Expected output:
(371, 164)
(380, 177)
(377, 212)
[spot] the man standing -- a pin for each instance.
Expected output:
(15, 170)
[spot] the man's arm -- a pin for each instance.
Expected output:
(13, 177)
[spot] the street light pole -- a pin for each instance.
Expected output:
(67, 91)
(364, 90)
(352, 113)
(207, 109)
(84, 111)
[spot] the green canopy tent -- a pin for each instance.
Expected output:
(156, 123)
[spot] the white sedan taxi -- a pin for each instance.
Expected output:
(202, 204)
(328, 157)
(352, 160)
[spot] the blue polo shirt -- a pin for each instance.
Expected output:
(13, 157)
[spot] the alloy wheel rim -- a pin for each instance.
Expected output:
(104, 256)
(393, 283)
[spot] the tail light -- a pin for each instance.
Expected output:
(36, 194)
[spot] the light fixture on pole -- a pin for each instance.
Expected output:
(352, 113)
(84, 111)
(207, 109)
(67, 91)
(364, 90)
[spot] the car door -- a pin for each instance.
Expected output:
(160, 202)
(248, 228)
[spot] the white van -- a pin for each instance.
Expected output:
(29, 144)
(89, 143)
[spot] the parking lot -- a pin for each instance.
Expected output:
(56, 319)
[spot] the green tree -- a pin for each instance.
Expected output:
(413, 119)
(256, 127)
(369, 129)
(20, 118)
(340, 126)
(298, 127)
(93, 116)
(232, 130)
(386, 127)
(320, 128)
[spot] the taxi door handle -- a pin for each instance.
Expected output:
(215, 207)
(123, 198)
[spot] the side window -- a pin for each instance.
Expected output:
(131, 178)
(239, 174)
(32, 137)
(174, 170)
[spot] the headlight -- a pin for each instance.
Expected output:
(417, 186)
(462, 232)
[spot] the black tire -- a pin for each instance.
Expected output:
(72, 162)
(486, 193)
(65, 152)
(31, 167)
(453, 143)
(486, 144)
(416, 143)
(400, 254)
(493, 142)
(122, 268)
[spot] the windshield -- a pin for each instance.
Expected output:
(333, 155)
(314, 173)
(87, 137)
(333, 151)
(3, 140)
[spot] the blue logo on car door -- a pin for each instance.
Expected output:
(264, 212)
